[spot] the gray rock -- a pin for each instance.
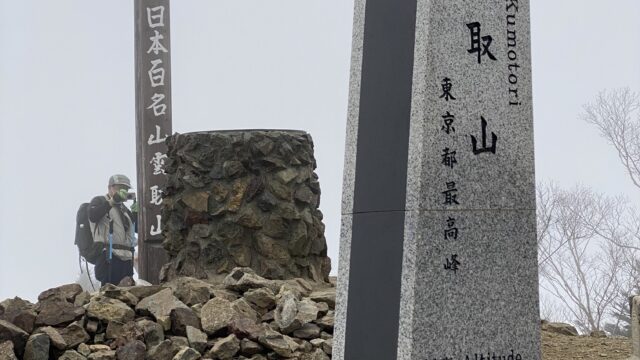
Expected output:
(560, 328)
(54, 310)
(179, 341)
(143, 291)
(285, 313)
(248, 347)
(216, 314)
(225, 348)
(246, 328)
(225, 294)
(197, 339)
(243, 279)
(103, 355)
(244, 309)
(56, 340)
(37, 347)
(187, 354)
(6, 351)
(262, 297)
(325, 336)
(328, 296)
(281, 344)
(153, 332)
(159, 305)
(307, 331)
(74, 335)
(134, 350)
(181, 318)
(107, 309)
(327, 346)
(191, 291)
(82, 299)
(114, 292)
(17, 336)
(72, 355)
(317, 354)
(68, 292)
(84, 350)
(326, 322)
(163, 351)
(19, 312)
(130, 331)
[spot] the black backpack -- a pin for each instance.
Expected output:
(88, 249)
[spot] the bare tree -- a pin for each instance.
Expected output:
(615, 114)
(581, 263)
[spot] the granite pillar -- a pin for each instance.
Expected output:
(438, 250)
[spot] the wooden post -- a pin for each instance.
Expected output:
(153, 125)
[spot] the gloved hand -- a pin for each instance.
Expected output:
(135, 208)
(120, 196)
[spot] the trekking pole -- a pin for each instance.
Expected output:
(110, 255)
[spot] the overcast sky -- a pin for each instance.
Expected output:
(67, 116)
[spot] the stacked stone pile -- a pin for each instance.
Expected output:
(244, 317)
(245, 198)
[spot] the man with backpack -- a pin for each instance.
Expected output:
(113, 226)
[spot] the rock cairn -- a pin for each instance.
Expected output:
(244, 317)
(243, 199)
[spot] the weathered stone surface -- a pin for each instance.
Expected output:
(261, 297)
(243, 279)
(179, 341)
(74, 334)
(326, 322)
(244, 187)
(143, 291)
(56, 340)
(98, 347)
(187, 353)
(327, 346)
(18, 312)
(286, 312)
(197, 338)
(107, 309)
(248, 347)
(160, 304)
(225, 348)
(84, 350)
(54, 310)
(82, 299)
(128, 332)
(114, 292)
(317, 354)
(191, 291)
(68, 292)
(134, 350)
(6, 351)
(307, 331)
(72, 355)
(181, 318)
(37, 347)
(560, 328)
(244, 309)
(103, 355)
(281, 344)
(153, 332)
(163, 351)
(246, 328)
(327, 296)
(216, 314)
(17, 336)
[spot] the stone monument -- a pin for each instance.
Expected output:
(245, 198)
(438, 238)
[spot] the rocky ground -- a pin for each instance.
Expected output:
(244, 318)
(561, 342)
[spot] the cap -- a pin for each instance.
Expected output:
(119, 180)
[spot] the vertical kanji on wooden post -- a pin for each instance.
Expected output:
(153, 125)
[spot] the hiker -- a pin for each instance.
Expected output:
(113, 225)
